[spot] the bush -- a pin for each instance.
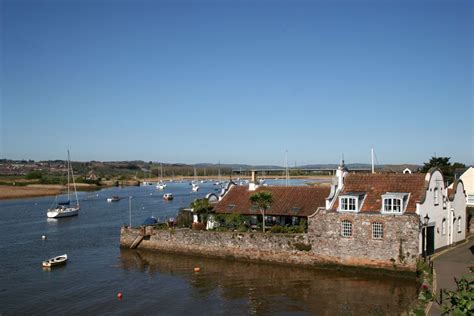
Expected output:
(278, 229)
(296, 229)
(184, 219)
(461, 301)
(302, 247)
(36, 174)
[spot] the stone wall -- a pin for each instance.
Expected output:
(322, 245)
(281, 248)
(398, 249)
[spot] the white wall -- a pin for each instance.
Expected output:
(445, 209)
(436, 213)
(457, 209)
(468, 179)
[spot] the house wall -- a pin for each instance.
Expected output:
(468, 179)
(397, 249)
(436, 213)
(457, 208)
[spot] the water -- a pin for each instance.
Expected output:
(157, 283)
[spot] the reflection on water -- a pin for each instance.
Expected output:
(264, 288)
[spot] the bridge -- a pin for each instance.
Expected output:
(303, 170)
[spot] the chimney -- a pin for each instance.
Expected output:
(253, 185)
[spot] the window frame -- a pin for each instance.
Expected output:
(443, 226)
(349, 228)
(459, 225)
(392, 200)
(436, 196)
(347, 204)
(377, 227)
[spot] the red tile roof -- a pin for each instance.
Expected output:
(287, 201)
(375, 185)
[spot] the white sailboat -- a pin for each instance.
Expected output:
(161, 185)
(195, 186)
(64, 209)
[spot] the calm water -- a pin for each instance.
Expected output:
(155, 283)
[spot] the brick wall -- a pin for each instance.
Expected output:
(397, 249)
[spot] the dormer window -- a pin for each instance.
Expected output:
(394, 203)
(351, 202)
(348, 204)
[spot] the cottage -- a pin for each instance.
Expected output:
(290, 204)
(378, 219)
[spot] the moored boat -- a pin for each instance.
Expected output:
(64, 209)
(168, 196)
(114, 198)
(55, 261)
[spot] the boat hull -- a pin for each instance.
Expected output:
(56, 261)
(67, 212)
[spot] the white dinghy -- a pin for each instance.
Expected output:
(56, 261)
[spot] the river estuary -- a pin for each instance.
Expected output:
(156, 283)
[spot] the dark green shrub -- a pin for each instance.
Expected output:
(278, 229)
(302, 247)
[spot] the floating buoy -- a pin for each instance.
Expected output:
(197, 269)
(43, 237)
(119, 295)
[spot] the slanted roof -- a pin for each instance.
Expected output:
(376, 185)
(287, 201)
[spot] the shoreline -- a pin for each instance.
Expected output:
(11, 192)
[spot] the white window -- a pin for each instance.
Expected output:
(377, 230)
(346, 228)
(470, 199)
(392, 205)
(348, 204)
(443, 227)
(394, 202)
(459, 224)
(436, 196)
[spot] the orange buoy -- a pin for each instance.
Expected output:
(119, 295)
(197, 269)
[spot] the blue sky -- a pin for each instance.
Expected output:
(237, 81)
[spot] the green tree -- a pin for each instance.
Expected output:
(200, 207)
(444, 165)
(263, 200)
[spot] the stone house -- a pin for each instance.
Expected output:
(383, 219)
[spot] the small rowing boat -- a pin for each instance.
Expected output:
(55, 261)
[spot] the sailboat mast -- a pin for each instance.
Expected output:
(68, 175)
(72, 175)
